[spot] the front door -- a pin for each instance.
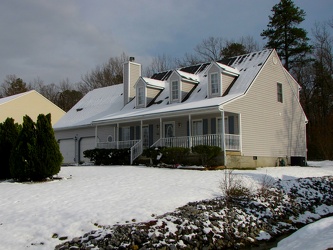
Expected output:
(169, 132)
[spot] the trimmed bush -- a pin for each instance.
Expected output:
(102, 156)
(9, 132)
(207, 153)
(175, 155)
(23, 156)
(49, 157)
(36, 154)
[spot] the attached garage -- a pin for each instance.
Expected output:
(85, 144)
(67, 148)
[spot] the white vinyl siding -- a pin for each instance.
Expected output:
(269, 129)
(226, 80)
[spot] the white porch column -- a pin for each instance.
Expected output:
(223, 137)
(141, 133)
(117, 128)
(190, 130)
(240, 132)
(96, 141)
(161, 129)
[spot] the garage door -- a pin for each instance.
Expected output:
(67, 149)
(85, 144)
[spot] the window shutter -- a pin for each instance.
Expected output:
(188, 128)
(205, 126)
(151, 134)
(213, 125)
(131, 133)
(231, 125)
(138, 133)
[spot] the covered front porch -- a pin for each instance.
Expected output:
(178, 131)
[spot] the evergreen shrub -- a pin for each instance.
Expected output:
(103, 156)
(207, 153)
(35, 155)
(23, 156)
(8, 135)
(49, 157)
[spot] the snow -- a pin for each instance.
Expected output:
(317, 236)
(89, 196)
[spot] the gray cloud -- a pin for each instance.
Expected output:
(62, 39)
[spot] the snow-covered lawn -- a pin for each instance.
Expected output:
(30, 214)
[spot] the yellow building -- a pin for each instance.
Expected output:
(30, 103)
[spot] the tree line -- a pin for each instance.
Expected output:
(310, 62)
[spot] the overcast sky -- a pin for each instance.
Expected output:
(55, 40)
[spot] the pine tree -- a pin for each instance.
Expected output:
(8, 135)
(282, 33)
(49, 157)
(22, 159)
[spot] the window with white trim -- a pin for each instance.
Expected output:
(197, 127)
(226, 125)
(174, 90)
(214, 84)
(126, 133)
(279, 92)
(141, 96)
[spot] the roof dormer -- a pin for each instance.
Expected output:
(181, 84)
(220, 77)
(147, 90)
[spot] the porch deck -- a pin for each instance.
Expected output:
(232, 143)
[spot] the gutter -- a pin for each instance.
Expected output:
(158, 115)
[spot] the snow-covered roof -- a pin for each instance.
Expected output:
(96, 104)
(247, 66)
(154, 83)
(13, 97)
(188, 76)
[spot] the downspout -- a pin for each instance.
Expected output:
(223, 137)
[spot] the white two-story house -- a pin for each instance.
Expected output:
(247, 105)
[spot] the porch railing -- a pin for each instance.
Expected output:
(119, 144)
(136, 151)
(232, 142)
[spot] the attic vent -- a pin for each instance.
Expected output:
(132, 59)
(79, 109)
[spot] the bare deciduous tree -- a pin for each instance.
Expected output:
(13, 85)
(210, 49)
(107, 74)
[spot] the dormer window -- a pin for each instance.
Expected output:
(141, 96)
(214, 84)
(175, 90)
